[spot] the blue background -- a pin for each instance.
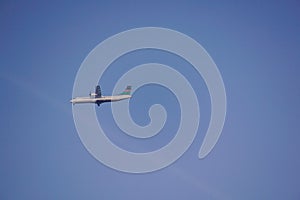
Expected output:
(256, 48)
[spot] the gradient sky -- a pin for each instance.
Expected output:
(256, 47)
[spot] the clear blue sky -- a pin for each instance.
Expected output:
(256, 47)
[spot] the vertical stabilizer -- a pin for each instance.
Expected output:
(127, 91)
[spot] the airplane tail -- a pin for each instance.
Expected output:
(127, 91)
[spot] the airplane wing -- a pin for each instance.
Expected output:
(98, 92)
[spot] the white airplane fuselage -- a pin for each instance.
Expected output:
(99, 100)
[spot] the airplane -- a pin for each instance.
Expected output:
(97, 97)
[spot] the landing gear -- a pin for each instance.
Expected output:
(98, 103)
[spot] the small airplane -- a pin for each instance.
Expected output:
(97, 97)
